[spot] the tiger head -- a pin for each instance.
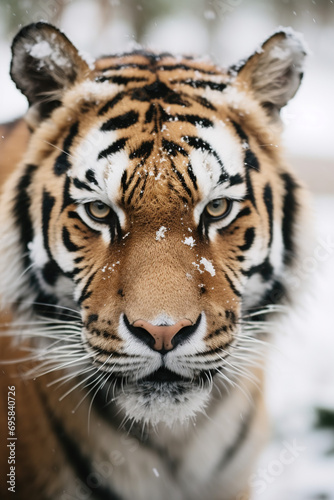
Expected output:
(152, 215)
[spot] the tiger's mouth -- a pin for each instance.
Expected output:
(164, 375)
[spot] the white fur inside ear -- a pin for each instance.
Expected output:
(46, 54)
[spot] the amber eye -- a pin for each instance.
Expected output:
(217, 209)
(98, 210)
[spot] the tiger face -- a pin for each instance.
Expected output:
(152, 212)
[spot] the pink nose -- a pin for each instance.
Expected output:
(162, 335)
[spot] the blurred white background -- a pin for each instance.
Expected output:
(301, 369)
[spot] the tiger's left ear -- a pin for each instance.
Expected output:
(44, 63)
(274, 72)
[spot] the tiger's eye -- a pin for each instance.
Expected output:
(219, 208)
(98, 210)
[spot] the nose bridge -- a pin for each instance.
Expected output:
(157, 278)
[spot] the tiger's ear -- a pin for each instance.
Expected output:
(274, 72)
(44, 63)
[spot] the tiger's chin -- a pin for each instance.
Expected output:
(151, 403)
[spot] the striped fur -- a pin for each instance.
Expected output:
(157, 139)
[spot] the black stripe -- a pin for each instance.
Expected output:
(85, 294)
(204, 102)
(240, 131)
(181, 179)
(133, 190)
(143, 151)
(76, 457)
(201, 84)
(125, 120)
(233, 288)
(275, 295)
(265, 270)
(172, 148)
(68, 243)
(90, 176)
(110, 104)
(21, 209)
(232, 450)
(113, 148)
(250, 191)
(290, 209)
(51, 270)
(268, 200)
(62, 162)
(120, 80)
(198, 143)
(235, 179)
(193, 119)
(251, 160)
(81, 185)
(67, 199)
(249, 239)
(192, 176)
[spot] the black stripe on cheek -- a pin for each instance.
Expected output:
(230, 282)
(113, 148)
(275, 295)
(22, 207)
(85, 294)
(62, 162)
(268, 200)
(192, 176)
(232, 450)
(290, 209)
(51, 270)
(68, 243)
(120, 121)
(249, 239)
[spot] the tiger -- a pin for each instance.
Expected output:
(149, 229)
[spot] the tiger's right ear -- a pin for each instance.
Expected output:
(44, 63)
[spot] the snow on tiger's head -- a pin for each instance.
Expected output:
(154, 201)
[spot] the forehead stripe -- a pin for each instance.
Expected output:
(200, 84)
(110, 104)
(113, 148)
(120, 121)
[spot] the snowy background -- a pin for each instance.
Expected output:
(300, 388)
